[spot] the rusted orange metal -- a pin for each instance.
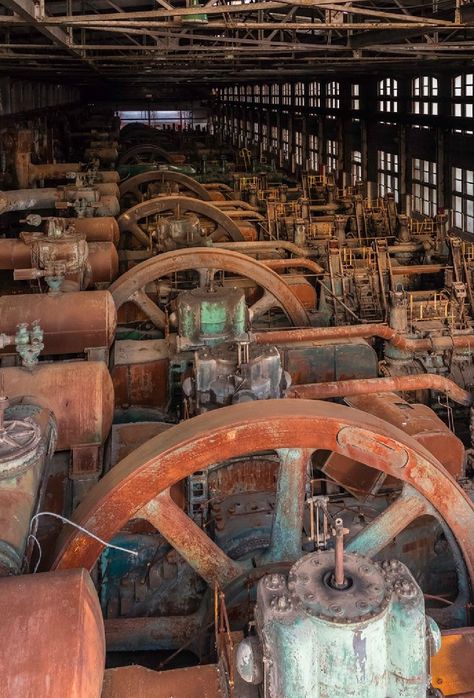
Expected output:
(54, 642)
(227, 433)
(104, 262)
(78, 393)
(315, 334)
(451, 667)
(419, 421)
(192, 682)
(103, 229)
(367, 386)
(202, 258)
(103, 258)
(71, 322)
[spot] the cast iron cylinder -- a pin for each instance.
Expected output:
(72, 322)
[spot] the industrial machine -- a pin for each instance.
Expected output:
(235, 433)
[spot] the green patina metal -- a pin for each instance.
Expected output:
(370, 639)
(206, 318)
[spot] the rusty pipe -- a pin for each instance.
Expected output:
(73, 323)
(104, 229)
(296, 262)
(366, 386)
(343, 332)
(265, 246)
(103, 258)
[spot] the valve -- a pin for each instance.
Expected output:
(29, 343)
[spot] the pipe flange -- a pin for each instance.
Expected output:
(20, 443)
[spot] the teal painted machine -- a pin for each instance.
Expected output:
(369, 637)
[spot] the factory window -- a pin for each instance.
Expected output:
(314, 94)
(275, 93)
(332, 95)
(248, 133)
(388, 95)
(285, 144)
(463, 199)
(286, 94)
(464, 98)
(424, 181)
(313, 151)
(256, 133)
(256, 94)
(265, 94)
(356, 166)
(387, 173)
(299, 94)
(425, 95)
(242, 94)
(236, 93)
(264, 138)
(249, 93)
(355, 97)
(274, 141)
(331, 156)
(298, 148)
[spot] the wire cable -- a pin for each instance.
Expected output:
(64, 519)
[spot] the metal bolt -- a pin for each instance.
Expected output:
(337, 610)
(363, 605)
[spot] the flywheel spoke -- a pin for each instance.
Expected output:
(139, 234)
(392, 521)
(285, 542)
(263, 305)
(149, 307)
(190, 541)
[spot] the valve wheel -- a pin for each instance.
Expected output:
(139, 486)
(131, 286)
(137, 187)
(178, 206)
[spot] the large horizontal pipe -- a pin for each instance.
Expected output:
(103, 258)
(294, 263)
(366, 386)
(104, 229)
(265, 246)
(30, 199)
(60, 170)
(72, 322)
(315, 334)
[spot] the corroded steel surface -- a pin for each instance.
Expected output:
(367, 386)
(128, 221)
(451, 667)
(238, 430)
(79, 394)
(71, 322)
(104, 262)
(192, 682)
(205, 258)
(103, 257)
(53, 636)
(349, 331)
(132, 184)
(295, 263)
(103, 229)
